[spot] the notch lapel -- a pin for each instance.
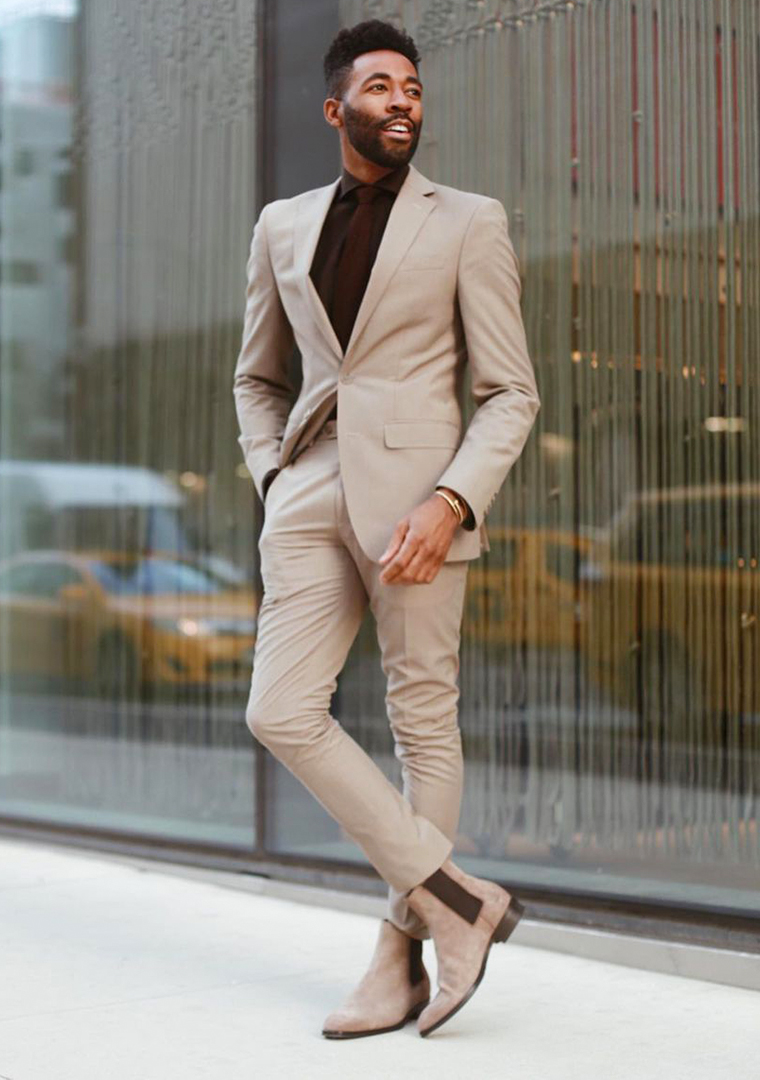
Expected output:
(410, 209)
(306, 232)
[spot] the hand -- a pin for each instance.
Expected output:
(419, 544)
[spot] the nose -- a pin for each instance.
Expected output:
(399, 100)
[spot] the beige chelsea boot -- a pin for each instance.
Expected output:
(465, 916)
(394, 989)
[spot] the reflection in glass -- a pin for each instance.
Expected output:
(128, 597)
(610, 700)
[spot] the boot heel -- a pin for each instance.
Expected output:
(509, 920)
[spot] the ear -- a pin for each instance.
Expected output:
(333, 110)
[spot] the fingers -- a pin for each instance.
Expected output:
(414, 563)
(421, 568)
(396, 540)
(401, 558)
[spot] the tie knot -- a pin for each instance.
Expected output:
(366, 193)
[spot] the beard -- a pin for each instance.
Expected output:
(366, 136)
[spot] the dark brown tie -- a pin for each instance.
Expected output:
(354, 265)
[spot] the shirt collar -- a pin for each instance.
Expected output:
(392, 181)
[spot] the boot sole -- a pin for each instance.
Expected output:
(506, 925)
(413, 1013)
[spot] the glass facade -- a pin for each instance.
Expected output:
(610, 701)
(127, 606)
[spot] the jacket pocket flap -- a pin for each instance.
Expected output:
(421, 433)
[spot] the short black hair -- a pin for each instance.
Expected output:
(367, 36)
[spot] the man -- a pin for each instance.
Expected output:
(390, 285)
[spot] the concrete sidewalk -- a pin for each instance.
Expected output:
(116, 970)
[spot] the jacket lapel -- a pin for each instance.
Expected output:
(410, 209)
(306, 232)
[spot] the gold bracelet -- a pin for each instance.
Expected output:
(454, 505)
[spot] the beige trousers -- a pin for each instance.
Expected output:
(317, 584)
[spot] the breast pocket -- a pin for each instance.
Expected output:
(423, 262)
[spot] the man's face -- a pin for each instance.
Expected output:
(384, 90)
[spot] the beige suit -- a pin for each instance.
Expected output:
(443, 296)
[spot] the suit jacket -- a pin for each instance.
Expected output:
(444, 293)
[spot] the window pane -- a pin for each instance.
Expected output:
(128, 595)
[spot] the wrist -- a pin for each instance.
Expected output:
(455, 503)
(468, 521)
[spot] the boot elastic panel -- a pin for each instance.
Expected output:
(454, 895)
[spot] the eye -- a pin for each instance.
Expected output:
(414, 90)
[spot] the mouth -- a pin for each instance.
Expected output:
(401, 131)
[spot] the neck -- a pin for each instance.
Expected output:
(363, 169)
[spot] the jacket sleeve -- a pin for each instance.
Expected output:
(502, 378)
(262, 388)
